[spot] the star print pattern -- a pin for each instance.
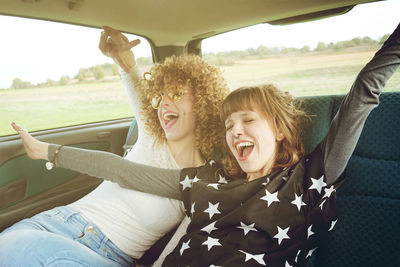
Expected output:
(329, 191)
(322, 204)
(282, 234)
(266, 182)
(222, 180)
(270, 198)
(230, 213)
(298, 201)
(311, 252)
(210, 242)
(212, 209)
(195, 179)
(332, 225)
(309, 232)
(187, 183)
(258, 258)
(317, 184)
(209, 228)
(247, 228)
(297, 256)
(214, 186)
(185, 245)
(192, 208)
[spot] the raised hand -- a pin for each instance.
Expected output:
(117, 46)
(35, 149)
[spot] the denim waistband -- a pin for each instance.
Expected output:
(93, 237)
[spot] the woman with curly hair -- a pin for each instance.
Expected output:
(276, 205)
(176, 105)
(197, 126)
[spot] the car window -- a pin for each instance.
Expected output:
(53, 75)
(321, 57)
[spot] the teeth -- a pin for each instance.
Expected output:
(169, 116)
(243, 144)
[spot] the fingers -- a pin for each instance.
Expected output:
(131, 44)
(17, 127)
(116, 36)
(103, 42)
(34, 148)
(115, 45)
(112, 32)
(23, 134)
(107, 28)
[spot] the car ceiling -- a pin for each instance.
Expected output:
(175, 22)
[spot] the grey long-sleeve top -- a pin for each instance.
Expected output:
(337, 146)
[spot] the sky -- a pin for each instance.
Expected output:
(373, 20)
(68, 48)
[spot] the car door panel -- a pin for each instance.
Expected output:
(27, 187)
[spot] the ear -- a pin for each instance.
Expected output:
(279, 137)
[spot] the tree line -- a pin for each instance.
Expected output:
(229, 57)
(98, 72)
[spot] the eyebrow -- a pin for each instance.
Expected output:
(244, 113)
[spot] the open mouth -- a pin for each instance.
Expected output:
(244, 149)
(169, 118)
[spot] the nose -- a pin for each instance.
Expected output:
(237, 130)
(165, 100)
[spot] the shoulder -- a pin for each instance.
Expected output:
(210, 171)
(147, 151)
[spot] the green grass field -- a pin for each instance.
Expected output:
(52, 107)
(317, 74)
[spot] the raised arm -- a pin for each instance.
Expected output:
(362, 98)
(162, 182)
(117, 46)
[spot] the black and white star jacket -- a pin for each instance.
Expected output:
(276, 220)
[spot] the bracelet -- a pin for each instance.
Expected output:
(51, 164)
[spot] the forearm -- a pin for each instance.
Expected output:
(363, 97)
(162, 182)
(131, 83)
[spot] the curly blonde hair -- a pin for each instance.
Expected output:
(283, 114)
(209, 90)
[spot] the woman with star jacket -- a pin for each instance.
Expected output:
(269, 204)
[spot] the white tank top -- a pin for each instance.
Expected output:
(133, 220)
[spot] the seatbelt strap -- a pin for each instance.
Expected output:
(131, 137)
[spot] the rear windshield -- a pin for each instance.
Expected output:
(320, 57)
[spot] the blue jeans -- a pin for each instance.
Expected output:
(58, 237)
